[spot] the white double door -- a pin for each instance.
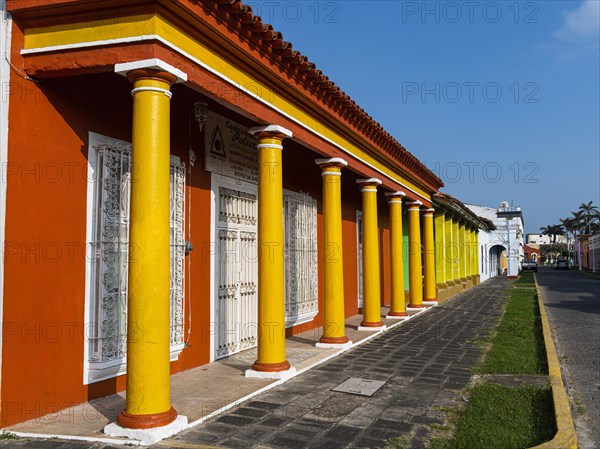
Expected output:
(236, 266)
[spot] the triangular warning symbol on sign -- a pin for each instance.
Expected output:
(216, 143)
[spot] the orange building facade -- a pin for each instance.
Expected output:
(255, 135)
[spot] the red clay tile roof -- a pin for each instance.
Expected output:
(448, 202)
(297, 65)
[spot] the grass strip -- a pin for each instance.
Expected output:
(518, 346)
(500, 417)
(526, 279)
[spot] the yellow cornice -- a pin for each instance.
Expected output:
(267, 87)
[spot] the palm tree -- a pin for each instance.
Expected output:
(578, 221)
(570, 225)
(546, 230)
(553, 231)
(596, 223)
(588, 214)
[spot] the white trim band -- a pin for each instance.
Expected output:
(269, 145)
(152, 89)
(331, 173)
(368, 189)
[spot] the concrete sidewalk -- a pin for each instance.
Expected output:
(422, 363)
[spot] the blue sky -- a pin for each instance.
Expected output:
(500, 99)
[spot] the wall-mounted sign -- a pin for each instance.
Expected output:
(229, 150)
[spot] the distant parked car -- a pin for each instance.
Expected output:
(529, 264)
(561, 264)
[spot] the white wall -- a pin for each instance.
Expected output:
(511, 237)
(540, 239)
(484, 251)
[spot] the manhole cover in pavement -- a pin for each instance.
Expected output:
(362, 387)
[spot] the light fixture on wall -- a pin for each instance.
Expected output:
(200, 112)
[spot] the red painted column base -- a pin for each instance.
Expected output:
(416, 306)
(397, 314)
(369, 324)
(131, 421)
(271, 367)
(334, 340)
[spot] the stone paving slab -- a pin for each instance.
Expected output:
(195, 393)
(424, 363)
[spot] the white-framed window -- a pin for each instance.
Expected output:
(109, 176)
(359, 232)
(301, 254)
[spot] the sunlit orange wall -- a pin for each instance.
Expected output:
(44, 296)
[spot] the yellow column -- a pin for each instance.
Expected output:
(477, 255)
(429, 291)
(462, 261)
(148, 402)
(271, 358)
(449, 253)
(440, 248)
(472, 254)
(370, 257)
(456, 261)
(415, 275)
(334, 332)
(398, 305)
(468, 255)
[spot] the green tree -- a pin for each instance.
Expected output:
(552, 231)
(588, 216)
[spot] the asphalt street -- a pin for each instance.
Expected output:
(572, 301)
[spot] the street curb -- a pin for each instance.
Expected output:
(565, 437)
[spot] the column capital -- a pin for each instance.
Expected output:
(332, 166)
(414, 205)
(270, 132)
(331, 162)
(395, 197)
(369, 182)
(151, 68)
(398, 194)
(428, 212)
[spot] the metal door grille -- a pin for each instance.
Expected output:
(107, 332)
(237, 275)
(301, 252)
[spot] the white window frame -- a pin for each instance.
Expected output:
(97, 371)
(307, 284)
(359, 274)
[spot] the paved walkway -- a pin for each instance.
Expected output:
(423, 363)
(572, 301)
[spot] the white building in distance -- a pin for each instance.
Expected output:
(507, 239)
(541, 239)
